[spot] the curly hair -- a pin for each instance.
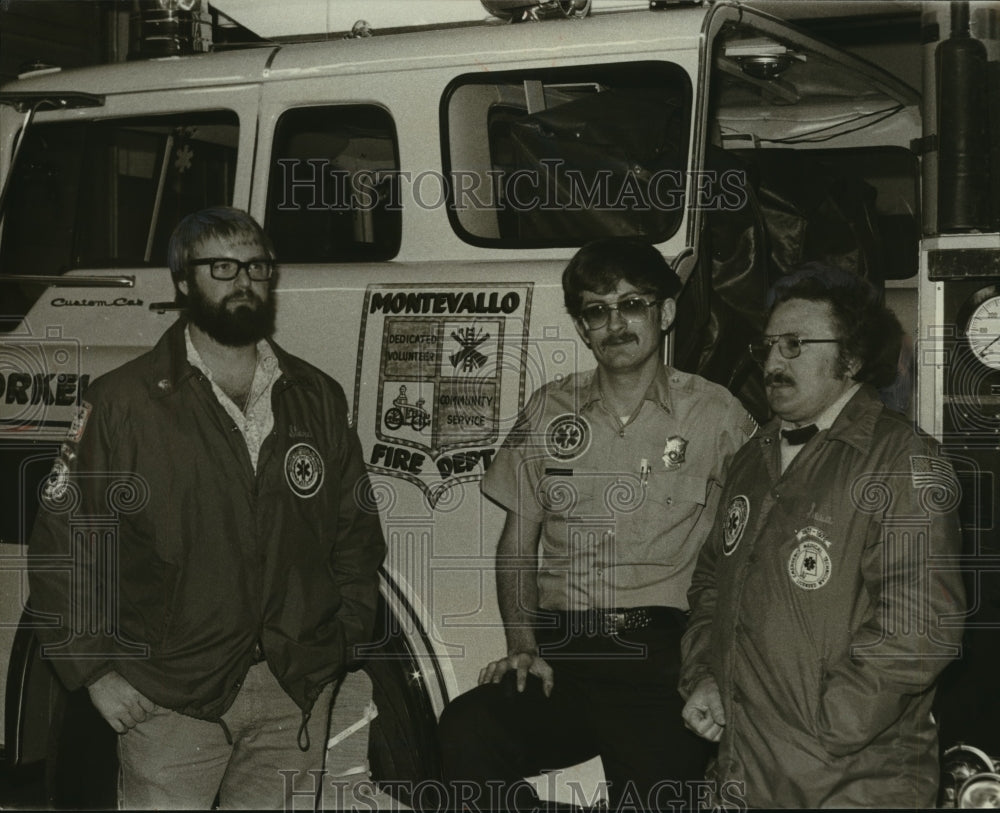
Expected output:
(601, 264)
(869, 332)
(217, 221)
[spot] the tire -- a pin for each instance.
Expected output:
(402, 749)
(394, 418)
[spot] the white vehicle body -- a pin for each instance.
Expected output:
(467, 318)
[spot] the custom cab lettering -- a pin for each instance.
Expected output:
(119, 302)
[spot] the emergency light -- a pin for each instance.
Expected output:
(160, 28)
(518, 10)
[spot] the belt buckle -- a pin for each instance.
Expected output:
(614, 622)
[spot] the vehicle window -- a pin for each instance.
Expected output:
(332, 189)
(109, 192)
(558, 157)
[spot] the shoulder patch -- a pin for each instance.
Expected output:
(567, 437)
(936, 480)
(749, 426)
(737, 516)
(57, 482)
(79, 424)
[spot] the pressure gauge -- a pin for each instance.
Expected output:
(982, 326)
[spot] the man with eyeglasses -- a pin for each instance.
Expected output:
(824, 604)
(217, 560)
(609, 481)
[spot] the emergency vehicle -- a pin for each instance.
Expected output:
(424, 191)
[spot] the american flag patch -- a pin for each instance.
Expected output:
(75, 433)
(933, 472)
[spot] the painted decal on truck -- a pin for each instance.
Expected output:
(446, 362)
(42, 382)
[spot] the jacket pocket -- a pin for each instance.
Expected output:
(148, 601)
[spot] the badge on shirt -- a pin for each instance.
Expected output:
(303, 469)
(673, 452)
(567, 437)
(737, 516)
(809, 565)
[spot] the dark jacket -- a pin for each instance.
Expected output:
(159, 552)
(825, 604)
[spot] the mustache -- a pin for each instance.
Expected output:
(620, 338)
(242, 297)
(777, 379)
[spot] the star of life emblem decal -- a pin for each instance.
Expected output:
(567, 437)
(809, 566)
(737, 516)
(303, 469)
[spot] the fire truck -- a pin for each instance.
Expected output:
(424, 190)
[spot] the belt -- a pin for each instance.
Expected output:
(615, 620)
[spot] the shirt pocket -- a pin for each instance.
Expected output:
(670, 489)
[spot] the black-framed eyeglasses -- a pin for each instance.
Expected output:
(789, 345)
(631, 309)
(226, 268)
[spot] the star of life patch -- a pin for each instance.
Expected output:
(809, 566)
(737, 516)
(79, 424)
(567, 437)
(304, 469)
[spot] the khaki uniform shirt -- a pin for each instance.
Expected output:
(624, 507)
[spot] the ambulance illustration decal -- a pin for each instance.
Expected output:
(428, 399)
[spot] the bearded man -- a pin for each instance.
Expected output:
(201, 547)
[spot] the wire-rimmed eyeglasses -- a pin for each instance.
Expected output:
(789, 345)
(227, 268)
(631, 309)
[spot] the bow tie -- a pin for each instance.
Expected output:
(796, 437)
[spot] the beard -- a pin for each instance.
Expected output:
(247, 322)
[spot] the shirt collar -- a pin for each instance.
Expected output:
(829, 415)
(266, 358)
(853, 423)
(658, 390)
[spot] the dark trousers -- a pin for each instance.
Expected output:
(615, 696)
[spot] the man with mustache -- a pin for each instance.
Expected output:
(203, 548)
(824, 604)
(609, 481)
